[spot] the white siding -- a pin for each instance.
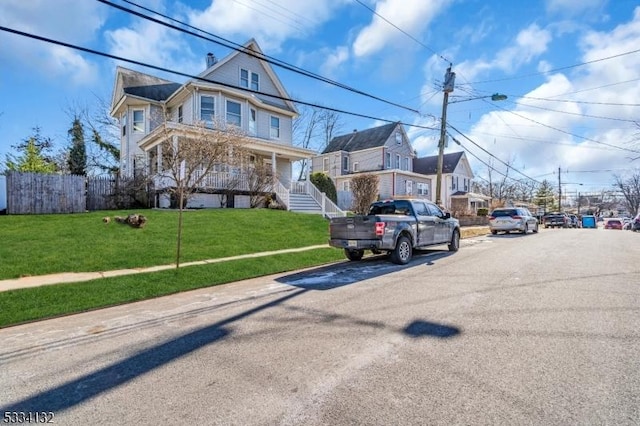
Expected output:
(368, 160)
(229, 73)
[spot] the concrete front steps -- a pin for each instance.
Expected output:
(304, 203)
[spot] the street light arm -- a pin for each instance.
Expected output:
(494, 97)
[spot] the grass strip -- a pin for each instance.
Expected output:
(38, 303)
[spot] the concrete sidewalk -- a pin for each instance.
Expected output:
(71, 277)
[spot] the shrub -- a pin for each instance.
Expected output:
(483, 211)
(365, 192)
(324, 183)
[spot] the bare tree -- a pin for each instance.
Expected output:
(189, 159)
(630, 189)
(365, 191)
(330, 125)
(259, 179)
(305, 130)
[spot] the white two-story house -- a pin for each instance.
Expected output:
(456, 181)
(241, 89)
(384, 151)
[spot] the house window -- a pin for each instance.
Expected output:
(274, 131)
(397, 161)
(124, 124)
(466, 185)
(405, 165)
(252, 121)
(399, 138)
(249, 79)
(409, 187)
(423, 189)
(345, 163)
(180, 117)
(207, 109)
(325, 164)
(387, 160)
(356, 166)
(138, 121)
(346, 185)
(234, 113)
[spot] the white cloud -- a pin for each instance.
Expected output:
(529, 44)
(573, 7)
(269, 23)
(334, 60)
(156, 45)
(63, 20)
(413, 16)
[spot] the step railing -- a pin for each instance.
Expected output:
(328, 207)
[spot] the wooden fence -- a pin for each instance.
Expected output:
(35, 193)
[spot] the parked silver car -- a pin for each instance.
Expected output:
(509, 219)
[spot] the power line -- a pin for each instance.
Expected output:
(490, 154)
(194, 77)
(555, 69)
(403, 31)
(568, 133)
(239, 48)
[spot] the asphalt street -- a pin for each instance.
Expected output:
(512, 329)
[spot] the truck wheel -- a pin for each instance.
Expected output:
(402, 253)
(454, 245)
(526, 228)
(353, 254)
(535, 230)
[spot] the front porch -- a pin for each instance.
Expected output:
(243, 190)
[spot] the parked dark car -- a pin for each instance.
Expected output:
(635, 224)
(557, 220)
(396, 227)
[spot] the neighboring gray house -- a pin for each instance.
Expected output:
(456, 181)
(138, 102)
(384, 151)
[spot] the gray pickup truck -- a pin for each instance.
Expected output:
(395, 227)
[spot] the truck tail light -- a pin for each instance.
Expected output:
(492, 218)
(516, 217)
(380, 228)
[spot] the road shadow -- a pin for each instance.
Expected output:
(92, 385)
(430, 329)
(347, 273)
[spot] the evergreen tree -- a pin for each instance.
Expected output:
(545, 196)
(77, 159)
(32, 159)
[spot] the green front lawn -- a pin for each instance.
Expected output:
(37, 303)
(46, 244)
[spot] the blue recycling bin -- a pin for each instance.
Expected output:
(589, 222)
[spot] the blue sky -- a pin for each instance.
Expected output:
(571, 70)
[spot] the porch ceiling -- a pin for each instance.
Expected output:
(258, 146)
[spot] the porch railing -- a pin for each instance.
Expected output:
(329, 208)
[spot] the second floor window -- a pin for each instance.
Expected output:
(249, 79)
(387, 160)
(180, 118)
(274, 132)
(124, 124)
(234, 113)
(356, 167)
(345, 163)
(405, 166)
(325, 164)
(397, 161)
(138, 121)
(207, 109)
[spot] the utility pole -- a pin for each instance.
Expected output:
(449, 80)
(559, 192)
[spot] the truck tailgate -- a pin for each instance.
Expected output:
(353, 228)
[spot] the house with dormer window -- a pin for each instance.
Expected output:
(241, 90)
(456, 181)
(384, 151)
